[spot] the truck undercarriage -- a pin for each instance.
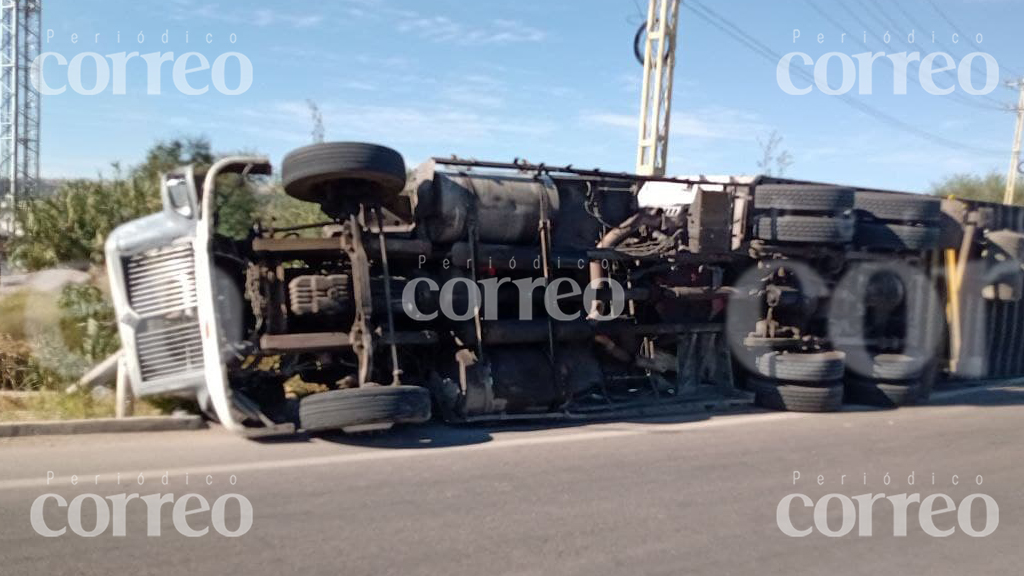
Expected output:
(481, 290)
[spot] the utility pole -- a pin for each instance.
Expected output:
(20, 44)
(656, 95)
(1011, 177)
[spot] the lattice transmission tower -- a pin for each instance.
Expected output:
(20, 44)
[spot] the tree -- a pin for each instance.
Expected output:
(169, 154)
(773, 162)
(988, 188)
(72, 225)
(238, 206)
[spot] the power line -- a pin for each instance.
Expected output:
(996, 103)
(967, 36)
(957, 97)
(874, 16)
(639, 12)
(909, 45)
(856, 17)
(917, 25)
(973, 70)
(726, 26)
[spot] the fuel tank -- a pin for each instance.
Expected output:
(507, 209)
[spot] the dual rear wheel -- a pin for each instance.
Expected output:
(820, 382)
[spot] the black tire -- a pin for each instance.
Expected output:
(895, 367)
(899, 237)
(793, 398)
(804, 229)
(1007, 242)
(319, 173)
(898, 207)
(882, 394)
(803, 198)
(927, 383)
(361, 406)
(792, 367)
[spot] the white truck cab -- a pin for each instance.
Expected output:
(162, 284)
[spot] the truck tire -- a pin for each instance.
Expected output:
(882, 394)
(897, 207)
(1008, 242)
(817, 367)
(927, 384)
(899, 237)
(319, 172)
(339, 409)
(804, 229)
(776, 396)
(803, 198)
(893, 367)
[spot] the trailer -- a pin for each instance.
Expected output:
(476, 291)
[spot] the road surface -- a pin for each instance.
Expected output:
(666, 496)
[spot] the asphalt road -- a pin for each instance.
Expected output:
(667, 496)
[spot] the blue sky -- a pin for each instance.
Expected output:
(553, 82)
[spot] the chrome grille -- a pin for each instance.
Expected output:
(162, 291)
(169, 348)
(162, 281)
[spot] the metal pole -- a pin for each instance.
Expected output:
(656, 92)
(396, 371)
(1011, 177)
(123, 395)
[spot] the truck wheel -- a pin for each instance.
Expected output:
(893, 367)
(803, 198)
(897, 207)
(804, 229)
(882, 394)
(1007, 241)
(770, 394)
(926, 383)
(359, 407)
(898, 237)
(818, 367)
(325, 172)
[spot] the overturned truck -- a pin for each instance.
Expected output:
(477, 291)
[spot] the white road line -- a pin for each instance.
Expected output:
(197, 473)
(595, 432)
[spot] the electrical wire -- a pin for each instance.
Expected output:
(956, 96)
(727, 27)
(916, 24)
(913, 45)
(967, 36)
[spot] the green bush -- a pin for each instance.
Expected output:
(987, 188)
(49, 341)
(87, 324)
(72, 225)
(21, 369)
(279, 210)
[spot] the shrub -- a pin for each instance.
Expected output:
(21, 369)
(72, 225)
(87, 324)
(49, 341)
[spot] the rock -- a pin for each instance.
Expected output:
(51, 280)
